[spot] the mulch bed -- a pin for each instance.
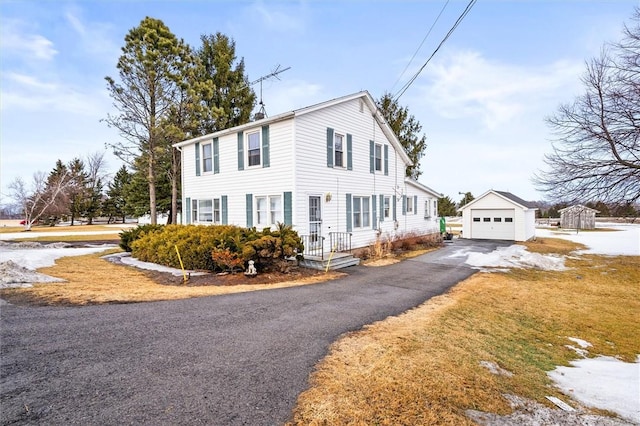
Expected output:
(238, 278)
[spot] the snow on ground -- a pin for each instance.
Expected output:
(36, 234)
(132, 261)
(18, 261)
(625, 240)
(515, 256)
(603, 382)
(41, 256)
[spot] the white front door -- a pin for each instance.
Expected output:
(315, 220)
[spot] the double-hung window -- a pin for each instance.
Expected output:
(216, 210)
(205, 211)
(268, 210)
(361, 212)
(194, 211)
(338, 148)
(378, 157)
(387, 205)
(410, 204)
(275, 209)
(253, 148)
(207, 158)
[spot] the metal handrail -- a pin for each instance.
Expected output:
(313, 245)
(340, 241)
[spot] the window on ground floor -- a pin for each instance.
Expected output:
(361, 212)
(268, 210)
(205, 211)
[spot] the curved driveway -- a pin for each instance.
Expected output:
(240, 359)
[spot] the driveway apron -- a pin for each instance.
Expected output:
(239, 359)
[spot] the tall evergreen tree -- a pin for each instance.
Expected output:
(407, 129)
(232, 100)
(77, 189)
(116, 204)
(151, 70)
(446, 207)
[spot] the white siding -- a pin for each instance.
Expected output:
(298, 164)
(234, 183)
(524, 219)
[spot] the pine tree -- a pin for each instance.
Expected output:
(231, 102)
(151, 73)
(407, 129)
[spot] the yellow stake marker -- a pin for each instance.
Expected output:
(184, 275)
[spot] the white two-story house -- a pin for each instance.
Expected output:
(335, 171)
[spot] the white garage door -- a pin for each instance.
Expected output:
(496, 224)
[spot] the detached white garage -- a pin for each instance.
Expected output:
(498, 215)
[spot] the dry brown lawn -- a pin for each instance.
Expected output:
(423, 367)
(93, 280)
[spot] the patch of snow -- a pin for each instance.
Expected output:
(582, 352)
(45, 255)
(36, 234)
(18, 261)
(495, 369)
(603, 382)
(515, 256)
(13, 275)
(625, 240)
(132, 261)
(582, 343)
(530, 413)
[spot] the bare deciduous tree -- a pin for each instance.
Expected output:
(34, 201)
(596, 153)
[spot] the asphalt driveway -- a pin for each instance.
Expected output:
(239, 359)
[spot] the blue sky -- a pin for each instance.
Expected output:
(481, 100)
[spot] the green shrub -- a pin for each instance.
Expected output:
(129, 236)
(217, 247)
(271, 249)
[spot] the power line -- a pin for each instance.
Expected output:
(453, 28)
(420, 47)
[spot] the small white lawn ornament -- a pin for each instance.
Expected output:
(251, 270)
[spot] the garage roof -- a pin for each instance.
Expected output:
(504, 194)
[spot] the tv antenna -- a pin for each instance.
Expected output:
(262, 113)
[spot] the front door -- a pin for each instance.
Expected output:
(315, 221)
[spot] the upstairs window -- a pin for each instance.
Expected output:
(253, 148)
(338, 150)
(378, 158)
(207, 158)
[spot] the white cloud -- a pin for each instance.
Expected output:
(25, 92)
(283, 96)
(17, 40)
(97, 39)
(75, 23)
(467, 85)
(277, 18)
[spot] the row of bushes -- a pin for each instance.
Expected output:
(386, 245)
(213, 248)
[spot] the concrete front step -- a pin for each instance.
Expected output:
(338, 261)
